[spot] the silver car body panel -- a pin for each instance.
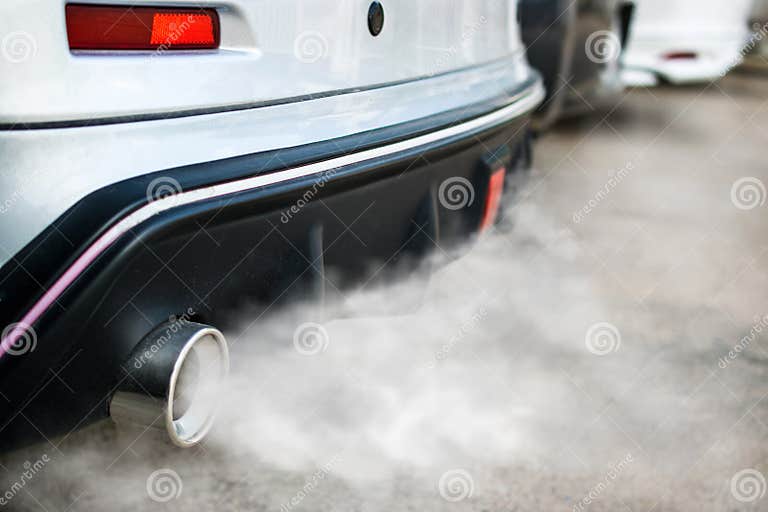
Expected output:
(270, 50)
(44, 171)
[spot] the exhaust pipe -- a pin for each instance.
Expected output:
(173, 381)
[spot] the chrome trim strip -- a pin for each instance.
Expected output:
(521, 104)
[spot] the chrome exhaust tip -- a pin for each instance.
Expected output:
(173, 381)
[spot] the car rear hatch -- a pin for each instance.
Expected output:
(270, 52)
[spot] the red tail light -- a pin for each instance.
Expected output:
(99, 27)
(681, 56)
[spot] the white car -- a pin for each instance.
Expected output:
(685, 41)
(164, 163)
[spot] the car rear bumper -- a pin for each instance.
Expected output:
(45, 170)
(255, 230)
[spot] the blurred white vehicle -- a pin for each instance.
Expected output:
(684, 41)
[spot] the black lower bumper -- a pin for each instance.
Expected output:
(298, 239)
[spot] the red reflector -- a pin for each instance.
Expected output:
(493, 198)
(165, 27)
(99, 27)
